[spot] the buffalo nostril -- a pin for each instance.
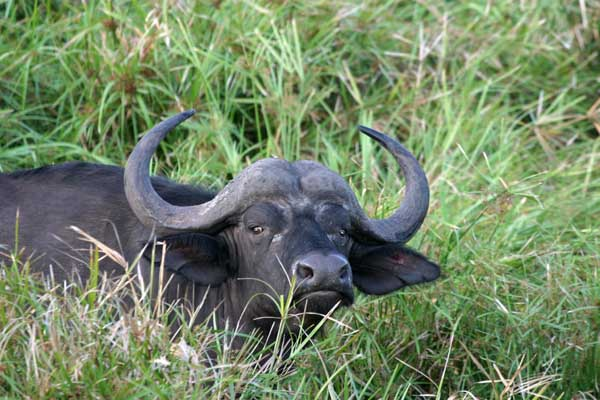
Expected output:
(323, 272)
(305, 272)
(344, 272)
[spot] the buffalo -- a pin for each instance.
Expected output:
(278, 228)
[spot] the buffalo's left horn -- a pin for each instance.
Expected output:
(408, 217)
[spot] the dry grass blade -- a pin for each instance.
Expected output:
(106, 250)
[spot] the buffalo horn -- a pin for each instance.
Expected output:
(147, 205)
(408, 217)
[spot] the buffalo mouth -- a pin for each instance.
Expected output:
(322, 301)
(310, 308)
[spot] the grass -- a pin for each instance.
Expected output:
(497, 99)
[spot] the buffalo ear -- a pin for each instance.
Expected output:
(385, 268)
(197, 257)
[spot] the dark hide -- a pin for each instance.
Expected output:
(301, 236)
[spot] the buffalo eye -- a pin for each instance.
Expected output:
(343, 232)
(257, 230)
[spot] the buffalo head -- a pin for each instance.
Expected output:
(281, 224)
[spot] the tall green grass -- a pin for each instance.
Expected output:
(497, 100)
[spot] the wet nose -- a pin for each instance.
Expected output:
(323, 272)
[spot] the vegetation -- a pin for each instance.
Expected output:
(499, 100)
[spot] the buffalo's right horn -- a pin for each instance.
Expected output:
(147, 205)
(264, 179)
